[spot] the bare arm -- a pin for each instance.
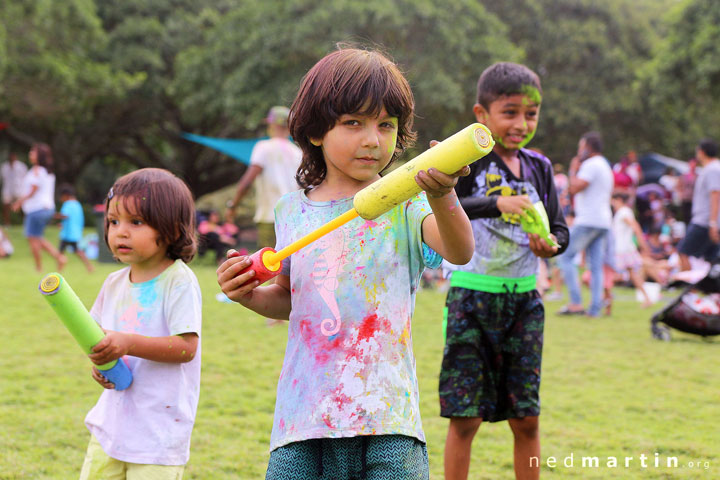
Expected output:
(245, 183)
(171, 349)
(575, 184)
(18, 203)
(714, 208)
(638, 234)
(448, 230)
(272, 301)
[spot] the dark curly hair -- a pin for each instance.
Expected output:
(347, 81)
(164, 202)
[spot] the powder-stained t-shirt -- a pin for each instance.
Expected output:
(349, 367)
(502, 247)
(151, 421)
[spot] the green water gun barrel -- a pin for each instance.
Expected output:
(81, 325)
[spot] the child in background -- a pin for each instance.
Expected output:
(627, 257)
(216, 236)
(151, 312)
(495, 316)
(73, 222)
(347, 399)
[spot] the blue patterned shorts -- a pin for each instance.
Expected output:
(370, 457)
(492, 357)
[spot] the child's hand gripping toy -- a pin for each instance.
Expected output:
(81, 325)
(450, 155)
(536, 221)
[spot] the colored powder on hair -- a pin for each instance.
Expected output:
(532, 93)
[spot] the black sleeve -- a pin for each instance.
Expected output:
(480, 207)
(475, 207)
(558, 226)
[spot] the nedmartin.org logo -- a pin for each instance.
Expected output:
(641, 461)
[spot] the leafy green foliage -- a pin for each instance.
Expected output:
(681, 85)
(116, 82)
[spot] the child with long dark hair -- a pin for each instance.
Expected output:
(347, 400)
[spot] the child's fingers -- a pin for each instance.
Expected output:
(233, 267)
(240, 292)
(100, 378)
(239, 281)
(443, 179)
(435, 183)
(524, 201)
(231, 281)
(540, 247)
(229, 267)
(102, 344)
(463, 172)
(101, 358)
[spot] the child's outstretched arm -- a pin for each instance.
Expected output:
(448, 230)
(171, 349)
(272, 301)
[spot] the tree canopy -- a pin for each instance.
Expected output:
(111, 85)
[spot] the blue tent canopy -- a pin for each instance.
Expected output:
(239, 149)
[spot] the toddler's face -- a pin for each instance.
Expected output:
(130, 238)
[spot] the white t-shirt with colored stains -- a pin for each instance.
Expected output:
(349, 368)
(151, 421)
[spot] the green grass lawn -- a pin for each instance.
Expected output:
(608, 389)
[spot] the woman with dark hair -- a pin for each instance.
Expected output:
(38, 204)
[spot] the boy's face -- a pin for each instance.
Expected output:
(512, 119)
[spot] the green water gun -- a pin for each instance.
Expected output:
(536, 221)
(82, 327)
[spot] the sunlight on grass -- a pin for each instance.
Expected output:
(608, 389)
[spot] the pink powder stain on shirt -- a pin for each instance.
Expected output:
(371, 325)
(318, 344)
(326, 419)
(368, 328)
(130, 318)
(369, 224)
(341, 399)
(282, 424)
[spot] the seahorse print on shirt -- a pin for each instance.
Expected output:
(324, 275)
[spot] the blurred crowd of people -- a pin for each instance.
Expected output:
(659, 235)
